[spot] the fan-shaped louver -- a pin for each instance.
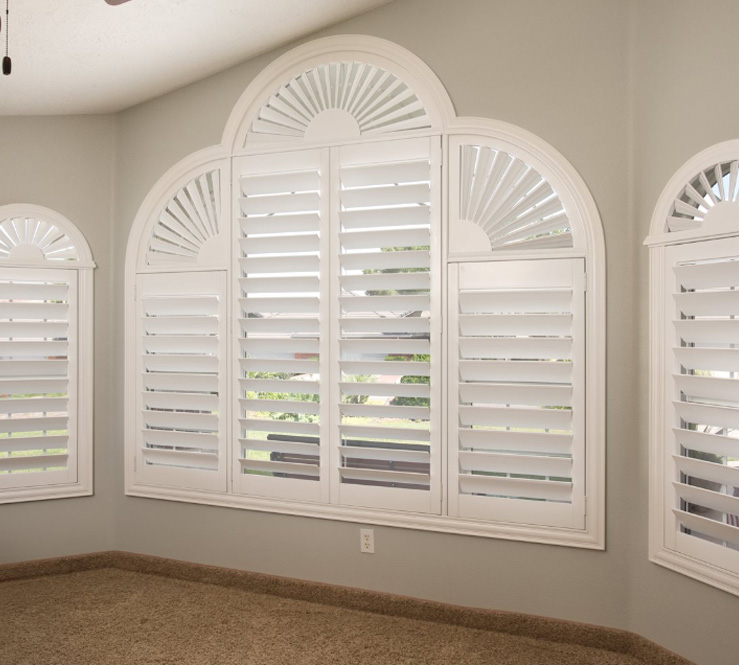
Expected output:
(23, 233)
(378, 101)
(511, 202)
(187, 223)
(715, 185)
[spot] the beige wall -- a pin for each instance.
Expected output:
(627, 91)
(67, 164)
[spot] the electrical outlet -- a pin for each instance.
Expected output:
(367, 541)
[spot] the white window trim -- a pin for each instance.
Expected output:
(570, 187)
(84, 266)
(658, 241)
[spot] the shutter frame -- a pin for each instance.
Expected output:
(473, 494)
(182, 434)
(686, 473)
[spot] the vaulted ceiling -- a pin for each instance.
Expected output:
(86, 56)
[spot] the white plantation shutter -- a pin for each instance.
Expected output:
(282, 208)
(702, 492)
(387, 339)
(182, 362)
(38, 377)
(516, 392)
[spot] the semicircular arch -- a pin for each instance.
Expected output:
(702, 197)
(34, 234)
(338, 88)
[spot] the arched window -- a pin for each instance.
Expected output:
(356, 380)
(694, 251)
(46, 339)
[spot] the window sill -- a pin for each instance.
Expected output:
(586, 539)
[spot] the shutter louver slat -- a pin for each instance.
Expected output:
(36, 463)
(508, 488)
(182, 397)
(516, 330)
(280, 289)
(385, 260)
(37, 377)
(706, 401)
(707, 358)
(721, 331)
(27, 368)
(285, 224)
(384, 333)
(698, 526)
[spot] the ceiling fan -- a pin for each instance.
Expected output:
(116, 2)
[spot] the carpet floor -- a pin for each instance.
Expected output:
(111, 616)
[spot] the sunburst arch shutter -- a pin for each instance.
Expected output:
(516, 415)
(388, 334)
(702, 497)
(25, 238)
(345, 99)
(38, 377)
(282, 222)
(500, 202)
(189, 230)
(709, 199)
(182, 370)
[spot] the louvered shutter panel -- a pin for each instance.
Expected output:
(38, 377)
(182, 403)
(703, 494)
(387, 344)
(516, 367)
(283, 212)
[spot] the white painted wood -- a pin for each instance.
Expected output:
(389, 179)
(504, 197)
(693, 503)
(45, 442)
(494, 475)
(281, 288)
(182, 418)
(338, 89)
(293, 222)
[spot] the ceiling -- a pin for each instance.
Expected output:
(85, 56)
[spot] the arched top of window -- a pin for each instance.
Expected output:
(32, 235)
(181, 220)
(339, 89)
(702, 198)
(515, 193)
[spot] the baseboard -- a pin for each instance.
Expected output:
(512, 623)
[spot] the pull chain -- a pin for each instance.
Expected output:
(7, 63)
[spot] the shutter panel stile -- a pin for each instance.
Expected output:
(183, 369)
(38, 375)
(280, 286)
(384, 329)
(516, 371)
(705, 429)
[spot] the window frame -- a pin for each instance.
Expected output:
(664, 532)
(35, 263)
(568, 185)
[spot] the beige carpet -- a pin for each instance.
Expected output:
(110, 615)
